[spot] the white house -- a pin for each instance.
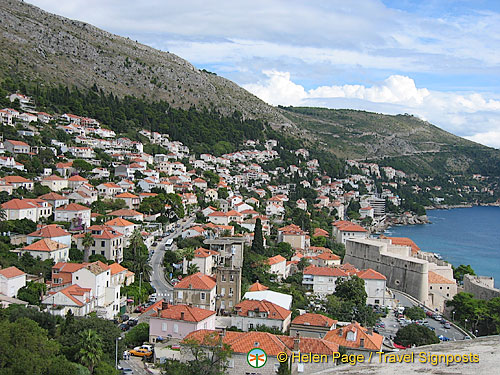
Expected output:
(11, 280)
(73, 213)
(322, 280)
(52, 231)
(375, 284)
(48, 249)
(252, 314)
(80, 301)
(32, 209)
(278, 266)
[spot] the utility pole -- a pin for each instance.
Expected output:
(140, 286)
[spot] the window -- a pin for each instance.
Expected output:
(377, 301)
(103, 243)
(250, 326)
(223, 277)
(176, 328)
(179, 294)
(223, 292)
(202, 296)
(164, 327)
(231, 278)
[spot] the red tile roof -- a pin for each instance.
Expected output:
(327, 256)
(275, 259)
(184, 312)
(311, 319)
(347, 226)
(370, 274)
(49, 231)
(243, 342)
(73, 207)
(324, 271)
(45, 244)
(273, 311)
(11, 272)
(403, 241)
(318, 232)
(196, 281)
(116, 268)
(77, 178)
(126, 195)
(435, 278)
(16, 179)
(372, 341)
(257, 287)
(52, 197)
(119, 222)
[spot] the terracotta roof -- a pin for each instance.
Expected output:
(372, 341)
(204, 253)
(49, 231)
(72, 290)
(19, 204)
(15, 179)
(243, 342)
(52, 197)
(347, 226)
(196, 281)
(435, 278)
(257, 287)
(324, 271)
(45, 244)
(273, 311)
(291, 229)
(184, 312)
(77, 178)
(275, 259)
(318, 232)
(125, 212)
(53, 178)
(73, 207)
(311, 319)
(111, 185)
(17, 143)
(116, 268)
(126, 195)
(11, 272)
(119, 222)
(403, 241)
(327, 256)
(370, 274)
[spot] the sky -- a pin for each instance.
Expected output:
(436, 59)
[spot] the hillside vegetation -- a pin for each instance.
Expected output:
(147, 88)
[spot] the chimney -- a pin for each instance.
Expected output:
(296, 342)
(361, 343)
(341, 331)
(182, 315)
(370, 331)
(164, 305)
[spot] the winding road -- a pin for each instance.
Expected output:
(162, 286)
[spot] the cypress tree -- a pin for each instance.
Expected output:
(258, 239)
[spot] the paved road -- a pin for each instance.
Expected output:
(452, 333)
(136, 364)
(163, 287)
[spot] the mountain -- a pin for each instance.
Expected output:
(37, 46)
(45, 47)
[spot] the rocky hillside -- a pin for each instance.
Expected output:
(49, 49)
(41, 46)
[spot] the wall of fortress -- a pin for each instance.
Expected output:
(403, 273)
(481, 287)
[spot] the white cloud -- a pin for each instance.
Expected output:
(470, 115)
(491, 138)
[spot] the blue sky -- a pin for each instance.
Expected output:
(439, 60)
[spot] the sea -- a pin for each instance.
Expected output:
(460, 236)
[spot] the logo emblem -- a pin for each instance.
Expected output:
(256, 358)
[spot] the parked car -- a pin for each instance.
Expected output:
(145, 346)
(124, 327)
(443, 338)
(447, 325)
(132, 322)
(124, 318)
(139, 309)
(141, 352)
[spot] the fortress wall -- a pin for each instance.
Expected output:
(407, 274)
(481, 287)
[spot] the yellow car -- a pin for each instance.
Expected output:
(141, 352)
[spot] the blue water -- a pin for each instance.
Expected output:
(461, 236)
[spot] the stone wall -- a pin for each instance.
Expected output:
(481, 287)
(403, 273)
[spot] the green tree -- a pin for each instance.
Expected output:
(25, 349)
(352, 290)
(90, 349)
(188, 255)
(414, 313)
(87, 242)
(82, 165)
(32, 292)
(136, 242)
(303, 263)
(192, 269)
(138, 335)
(461, 270)
(258, 238)
(414, 334)
(210, 357)
(284, 369)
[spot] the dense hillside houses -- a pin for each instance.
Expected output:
(255, 245)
